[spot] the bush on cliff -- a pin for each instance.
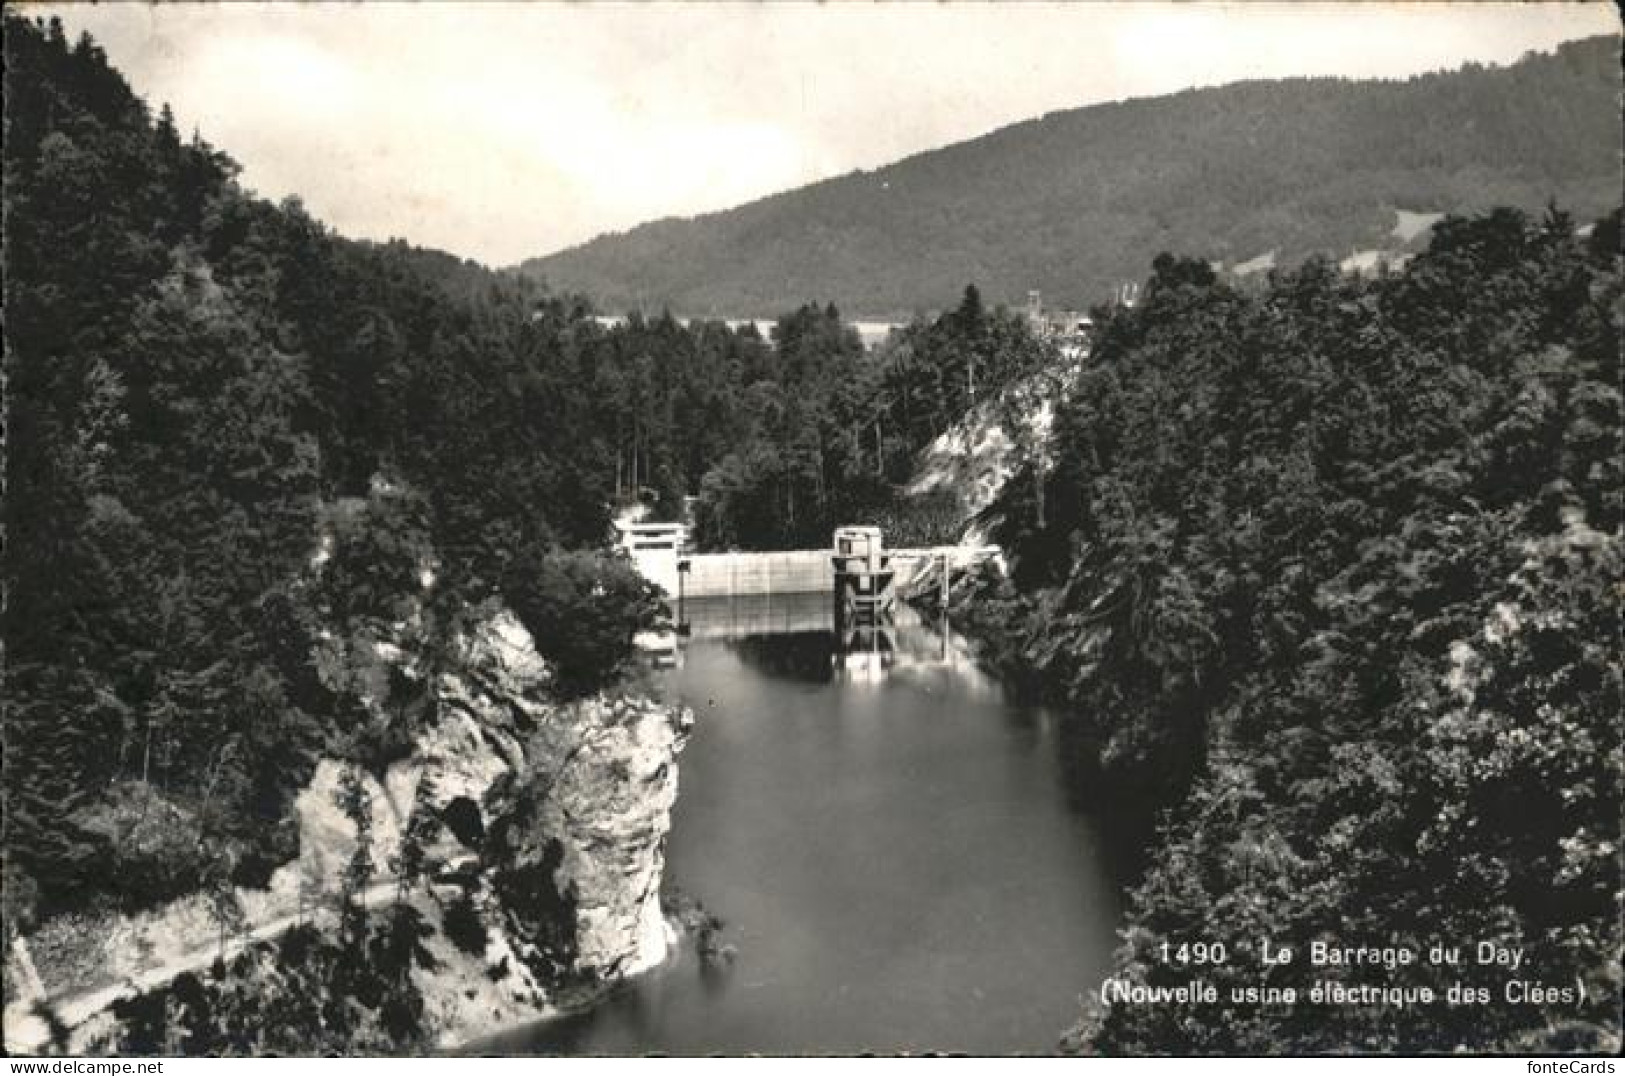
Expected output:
(464, 927)
(582, 609)
(158, 848)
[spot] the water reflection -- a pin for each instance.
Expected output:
(802, 655)
(865, 652)
(807, 637)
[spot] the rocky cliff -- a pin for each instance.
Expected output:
(976, 457)
(542, 875)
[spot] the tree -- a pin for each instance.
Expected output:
(355, 802)
(583, 610)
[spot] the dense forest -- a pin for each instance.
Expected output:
(1074, 203)
(835, 433)
(1328, 572)
(202, 388)
(234, 436)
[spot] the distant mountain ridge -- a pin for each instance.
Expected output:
(1076, 202)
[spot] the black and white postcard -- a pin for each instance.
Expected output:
(839, 529)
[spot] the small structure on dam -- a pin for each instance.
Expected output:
(656, 550)
(863, 576)
(864, 598)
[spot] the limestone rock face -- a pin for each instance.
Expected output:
(566, 805)
(487, 709)
(580, 833)
(574, 803)
(614, 854)
(973, 460)
(555, 818)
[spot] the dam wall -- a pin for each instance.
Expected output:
(658, 550)
(796, 571)
(730, 575)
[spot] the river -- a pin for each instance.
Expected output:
(890, 844)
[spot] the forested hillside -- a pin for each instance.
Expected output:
(1331, 572)
(233, 435)
(201, 386)
(1074, 203)
(835, 433)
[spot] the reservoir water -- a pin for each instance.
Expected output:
(889, 842)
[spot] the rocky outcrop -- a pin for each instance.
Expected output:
(585, 789)
(587, 819)
(558, 810)
(544, 875)
(974, 459)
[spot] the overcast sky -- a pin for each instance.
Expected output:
(501, 131)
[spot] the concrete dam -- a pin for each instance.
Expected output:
(658, 550)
